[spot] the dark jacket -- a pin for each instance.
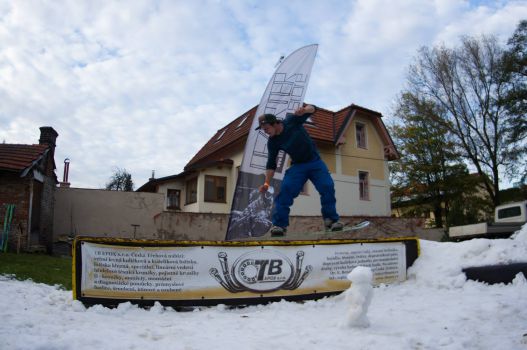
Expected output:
(294, 140)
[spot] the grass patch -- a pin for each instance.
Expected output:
(39, 267)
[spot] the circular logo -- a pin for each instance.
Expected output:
(262, 270)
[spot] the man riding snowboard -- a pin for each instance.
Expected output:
(290, 136)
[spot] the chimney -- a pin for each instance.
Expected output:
(65, 183)
(48, 136)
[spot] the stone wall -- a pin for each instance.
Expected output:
(116, 214)
(201, 226)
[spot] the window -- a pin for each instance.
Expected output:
(221, 133)
(215, 189)
(173, 199)
(360, 132)
(364, 186)
(242, 121)
(192, 191)
(509, 212)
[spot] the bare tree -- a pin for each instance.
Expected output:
(121, 180)
(468, 83)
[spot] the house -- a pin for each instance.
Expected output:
(28, 181)
(353, 142)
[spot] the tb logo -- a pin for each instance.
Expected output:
(260, 270)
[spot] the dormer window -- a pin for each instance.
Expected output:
(242, 121)
(221, 135)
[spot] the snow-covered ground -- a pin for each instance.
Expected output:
(436, 308)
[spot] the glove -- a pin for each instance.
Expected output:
(264, 187)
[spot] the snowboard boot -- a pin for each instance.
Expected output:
(333, 225)
(277, 231)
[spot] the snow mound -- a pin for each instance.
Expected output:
(440, 264)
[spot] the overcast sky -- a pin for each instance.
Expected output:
(142, 85)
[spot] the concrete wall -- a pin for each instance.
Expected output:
(104, 213)
(199, 226)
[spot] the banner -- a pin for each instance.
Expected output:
(215, 273)
(251, 210)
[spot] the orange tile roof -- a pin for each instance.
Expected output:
(236, 130)
(327, 127)
(16, 158)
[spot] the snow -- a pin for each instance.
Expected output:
(358, 298)
(436, 308)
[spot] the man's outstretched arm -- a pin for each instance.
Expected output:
(269, 173)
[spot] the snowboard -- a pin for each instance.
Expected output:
(346, 228)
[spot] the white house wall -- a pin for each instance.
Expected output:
(348, 199)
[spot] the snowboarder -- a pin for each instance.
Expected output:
(290, 136)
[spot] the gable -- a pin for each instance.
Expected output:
(348, 116)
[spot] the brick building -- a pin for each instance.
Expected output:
(28, 180)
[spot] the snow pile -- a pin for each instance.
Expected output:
(436, 308)
(445, 271)
(358, 296)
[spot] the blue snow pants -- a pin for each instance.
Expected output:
(294, 179)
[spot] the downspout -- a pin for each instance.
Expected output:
(338, 157)
(334, 127)
(30, 213)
